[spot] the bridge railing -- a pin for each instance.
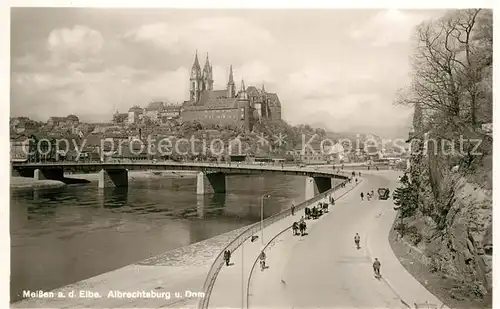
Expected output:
(243, 236)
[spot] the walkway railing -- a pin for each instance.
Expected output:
(241, 238)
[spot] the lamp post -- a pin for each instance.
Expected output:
(242, 276)
(267, 195)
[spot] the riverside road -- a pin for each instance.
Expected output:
(324, 269)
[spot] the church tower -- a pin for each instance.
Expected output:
(244, 106)
(264, 109)
(208, 82)
(195, 80)
(231, 88)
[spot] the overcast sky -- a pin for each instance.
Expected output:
(340, 68)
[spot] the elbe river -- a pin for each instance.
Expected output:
(61, 236)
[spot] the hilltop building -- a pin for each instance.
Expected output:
(227, 106)
(157, 112)
(63, 121)
(135, 114)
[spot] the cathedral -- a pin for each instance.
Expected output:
(241, 107)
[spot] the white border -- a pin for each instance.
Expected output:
(198, 4)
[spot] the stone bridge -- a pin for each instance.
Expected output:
(116, 174)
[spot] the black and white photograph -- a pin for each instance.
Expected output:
(249, 157)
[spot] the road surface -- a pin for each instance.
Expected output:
(324, 269)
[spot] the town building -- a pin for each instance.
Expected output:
(120, 118)
(226, 107)
(170, 112)
(135, 114)
(70, 120)
(152, 111)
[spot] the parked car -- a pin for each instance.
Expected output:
(383, 193)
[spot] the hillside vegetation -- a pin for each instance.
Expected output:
(446, 197)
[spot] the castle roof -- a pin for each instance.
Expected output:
(153, 106)
(72, 118)
(253, 92)
(56, 118)
(135, 109)
(273, 99)
(216, 99)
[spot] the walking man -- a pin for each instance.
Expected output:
(227, 256)
(362, 195)
(356, 240)
(376, 267)
(262, 261)
(293, 209)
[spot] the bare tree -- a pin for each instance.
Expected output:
(447, 67)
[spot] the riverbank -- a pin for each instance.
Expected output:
(26, 183)
(179, 270)
(139, 174)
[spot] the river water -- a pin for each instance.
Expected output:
(61, 236)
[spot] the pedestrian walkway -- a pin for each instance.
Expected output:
(394, 274)
(230, 288)
(268, 289)
(338, 275)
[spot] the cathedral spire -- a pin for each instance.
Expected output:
(242, 95)
(196, 64)
(263, 89)
(207, 64)
(231, 88)
(230, 81)
(195, 80)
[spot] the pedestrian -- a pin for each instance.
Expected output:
(376, 267)
(227, 257)
(262, 260)
(293, 209)
(295, 227)
(362, 195)
(302, 228)
(359, 174)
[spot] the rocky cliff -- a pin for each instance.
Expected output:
(451, 222)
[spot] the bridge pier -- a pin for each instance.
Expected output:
(317, 185)
(309, 188)
(113, 178)
(200, 206)
(14, 172)
(217, 182)
(52, 174)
